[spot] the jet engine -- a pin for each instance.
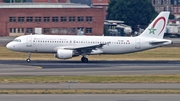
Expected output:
(64, 54)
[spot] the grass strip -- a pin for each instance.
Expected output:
(92, 79)
(89, 91)
(163, 53)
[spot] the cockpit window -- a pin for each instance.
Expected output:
(16, 40)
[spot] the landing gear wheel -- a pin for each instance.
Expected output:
(84, 60)
(28, 60)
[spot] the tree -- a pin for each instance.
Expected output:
(132, 12)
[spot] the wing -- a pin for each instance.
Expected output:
(88, 49)
(85, 47)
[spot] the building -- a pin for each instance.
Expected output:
(95, 3)
(167, 5)
(103, 4)
(176, 8)
(162, 5)
(50, 18)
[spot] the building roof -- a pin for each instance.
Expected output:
(42, 5)
(87, 2)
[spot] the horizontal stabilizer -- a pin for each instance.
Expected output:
(157, 42)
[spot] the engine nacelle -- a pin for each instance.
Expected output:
(96, 52)
(64, 54)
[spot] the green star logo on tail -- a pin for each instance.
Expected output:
(152, 30)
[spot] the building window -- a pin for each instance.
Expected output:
(22, 30)
(162, 2)
(12, 19)
(80, 28)
(29, 30)
(80, 31)
(37, 19)
(169, 1)
(55, 30)
(178, 9)
(89, 19)
(54, 19)
(19, 30)
(72, 30)
(175, 10)
(162, 8)
(153, 2)
(29, 19)
(20, 19)
(46, 19)
(169, 9)
(14, 30)
(158, 9)
(159, 2)
(63, 19)
(165, 2)
(72, 19)
(46, 30)
(80, 19)
(11, 30)
(63, 30)
(89, 30)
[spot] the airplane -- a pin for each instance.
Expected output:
(69, 46)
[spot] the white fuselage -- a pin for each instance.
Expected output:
(114, 45)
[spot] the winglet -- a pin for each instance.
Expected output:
(157, 28)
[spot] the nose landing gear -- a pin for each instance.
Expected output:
(28, 60)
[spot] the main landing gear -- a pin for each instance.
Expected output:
(28, 60)
(84, 59)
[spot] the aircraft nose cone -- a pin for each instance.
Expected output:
(9, 46)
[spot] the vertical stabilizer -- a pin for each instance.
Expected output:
(158, 27)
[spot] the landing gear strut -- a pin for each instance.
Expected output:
(28, 60)
(84, 59)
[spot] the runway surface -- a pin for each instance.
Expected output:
(92, 97)
(97, 86)
(42, 67)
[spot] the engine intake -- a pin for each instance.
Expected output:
(64, 54)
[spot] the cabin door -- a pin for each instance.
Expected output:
(29, 41)
(137, 44)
